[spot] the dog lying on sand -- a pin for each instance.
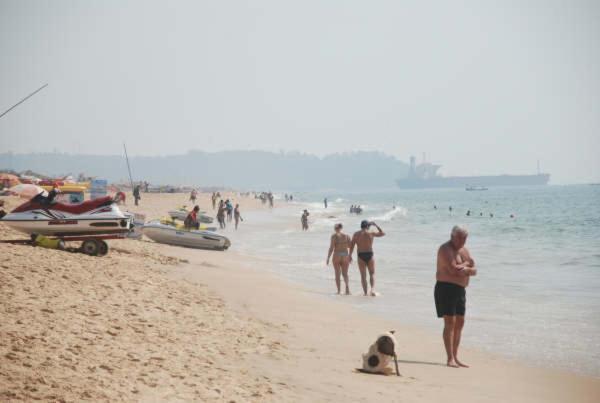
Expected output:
(380, 353)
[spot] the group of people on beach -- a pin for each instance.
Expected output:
(454, 268)
(226, 212)
(226, 209)
(265, 197)
(356, 209)
(213, 198)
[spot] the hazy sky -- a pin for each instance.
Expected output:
(480, 86)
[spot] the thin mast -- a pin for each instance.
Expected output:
(128, 167)
(23, 100)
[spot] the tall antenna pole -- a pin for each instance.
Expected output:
(128, 167)
(23, 100)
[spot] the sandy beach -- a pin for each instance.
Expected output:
(151, 322)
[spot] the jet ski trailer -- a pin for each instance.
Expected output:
(91, 222)
(99, 216)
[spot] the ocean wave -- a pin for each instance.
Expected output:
(391, 215)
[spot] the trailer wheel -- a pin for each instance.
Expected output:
(103, 248)
(90, 247)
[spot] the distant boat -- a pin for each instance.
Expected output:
(425, 175)
(475, 188)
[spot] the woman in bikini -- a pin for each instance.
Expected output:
(339, 246)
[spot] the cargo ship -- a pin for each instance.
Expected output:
(425, 175)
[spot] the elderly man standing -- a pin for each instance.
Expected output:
(454, 267)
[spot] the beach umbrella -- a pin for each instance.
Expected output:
(27, 190)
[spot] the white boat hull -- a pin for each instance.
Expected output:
(105, 220)
(170, 235)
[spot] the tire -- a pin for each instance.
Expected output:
(90, 247)
(103, 248)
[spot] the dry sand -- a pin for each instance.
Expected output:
(153, 322)
(75, 327)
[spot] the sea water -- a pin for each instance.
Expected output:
(537, 293)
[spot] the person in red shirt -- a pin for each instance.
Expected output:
(191, 221)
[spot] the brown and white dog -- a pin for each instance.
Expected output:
(380, 354)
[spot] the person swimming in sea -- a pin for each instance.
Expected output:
(338, 247)
(363, 240)
(237, 216)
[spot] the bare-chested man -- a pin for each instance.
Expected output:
(363, 240)
(454, 267)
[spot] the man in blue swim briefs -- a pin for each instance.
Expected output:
(363, 240)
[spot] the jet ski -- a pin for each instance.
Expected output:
(162, 231)
(41, 215)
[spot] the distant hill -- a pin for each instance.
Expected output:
(237, 169)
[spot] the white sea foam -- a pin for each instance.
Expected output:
(398, 212)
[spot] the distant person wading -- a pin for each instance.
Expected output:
(304, 220)
(237, 216)
(221, 214)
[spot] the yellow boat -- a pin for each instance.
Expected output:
(180, 226)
